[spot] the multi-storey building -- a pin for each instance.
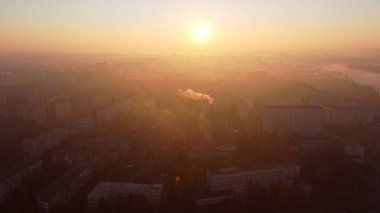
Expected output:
(38, 115)
(36, 146)
(3, 98)
(63, 109)
(109, 113)
(44, 141)
(302, 119)
(62, 190)
(14, 177)
(349, 115)
(313, 142)
(212, 198)
(106, 190)
(221, 151)
(353, 149)
(98, 151)
(238, 179)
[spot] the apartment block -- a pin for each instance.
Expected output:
(238, 179)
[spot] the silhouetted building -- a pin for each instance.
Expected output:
(313, 142)
(38, 115)
(212, 198)
(44, 141)
(13, 177)
(302, 119)
(238, 179)
(109, 113)
(355, 151)
(106, 190)
(62, 189)
(349, 115)
(63, 109)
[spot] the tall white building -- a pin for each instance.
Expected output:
(238, 179)
(106, 190)
(303, 119)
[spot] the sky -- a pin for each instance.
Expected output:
(164, 26)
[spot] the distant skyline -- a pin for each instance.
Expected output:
(164, 26)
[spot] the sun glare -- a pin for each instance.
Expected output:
(201, 32)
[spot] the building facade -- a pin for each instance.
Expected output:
(16, 175)
(238, 179)
(349, 115)
(212, 198)
(106, 190)
(63, 109)
(353, 149)
(62, 189)
(302, 119)
(44, 141)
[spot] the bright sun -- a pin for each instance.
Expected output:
(201, 32)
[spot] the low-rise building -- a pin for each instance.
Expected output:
(106, 190)
(238, 179)
(355, 151)
(212, 198)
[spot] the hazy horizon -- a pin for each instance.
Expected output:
(196, 106)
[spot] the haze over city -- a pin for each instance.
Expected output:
(189, 106)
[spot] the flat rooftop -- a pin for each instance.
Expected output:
(62, 182)
(209, 194)
(293, 107)
(106, 187)
(251, 168)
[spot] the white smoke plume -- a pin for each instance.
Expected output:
(188, 93)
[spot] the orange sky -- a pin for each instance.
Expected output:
(163, 26)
